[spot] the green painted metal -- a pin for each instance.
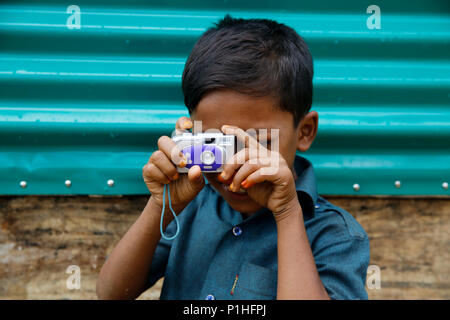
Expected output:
(88, 104)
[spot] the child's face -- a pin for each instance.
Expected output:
(221, 107)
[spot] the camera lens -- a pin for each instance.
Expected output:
(208, 157)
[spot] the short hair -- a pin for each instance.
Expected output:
(258, 57)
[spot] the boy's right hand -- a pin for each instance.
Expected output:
(160, 170)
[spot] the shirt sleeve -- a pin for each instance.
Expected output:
(342, 267)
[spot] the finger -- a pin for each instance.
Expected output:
(233, 164)
(196, 179)
(194, 173)
(242, 136)
(160, 160)
(244, 171)
(254, 178)
(181, 131)
(150, 171)
(171, 150)
(183, 123)
(260, 175)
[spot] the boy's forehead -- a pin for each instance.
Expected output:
(218, 122)
(265, 126)
(246, 112)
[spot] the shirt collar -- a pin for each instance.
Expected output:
(305, 184)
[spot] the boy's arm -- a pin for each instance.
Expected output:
(298, 277)
(125, 272)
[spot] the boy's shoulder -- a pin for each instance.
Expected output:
(335, 222)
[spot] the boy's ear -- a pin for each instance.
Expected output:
(307, 131)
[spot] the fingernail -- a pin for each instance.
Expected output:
(187, 124)
(223, 175)
(183, 163)
(176, 176)
(248, 184)
(232, 186)
(244, 183)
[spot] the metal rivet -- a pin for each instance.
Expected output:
(398, 184)
(445, 185)
(356, 187)
(68, 183)
(111, 182)
(23, 184)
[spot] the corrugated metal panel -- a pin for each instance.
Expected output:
(88, 104)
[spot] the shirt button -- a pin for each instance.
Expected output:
(237, 231)
(210, 297)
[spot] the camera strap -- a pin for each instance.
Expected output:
(162, 215)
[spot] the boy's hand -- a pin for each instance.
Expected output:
(263, 173)
(160, 170)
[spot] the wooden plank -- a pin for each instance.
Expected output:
(41, 236)
(409, 241)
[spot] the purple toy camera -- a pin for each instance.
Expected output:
(210, 151)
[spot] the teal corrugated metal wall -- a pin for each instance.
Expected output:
(87, 104)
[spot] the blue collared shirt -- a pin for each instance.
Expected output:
(220, 255)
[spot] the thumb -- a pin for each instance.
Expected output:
(196, 180)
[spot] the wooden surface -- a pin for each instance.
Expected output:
(41, 236)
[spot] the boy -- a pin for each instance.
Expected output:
(244, 233)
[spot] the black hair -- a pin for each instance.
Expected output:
(258, 57)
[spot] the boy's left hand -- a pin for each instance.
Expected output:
(263, 173)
